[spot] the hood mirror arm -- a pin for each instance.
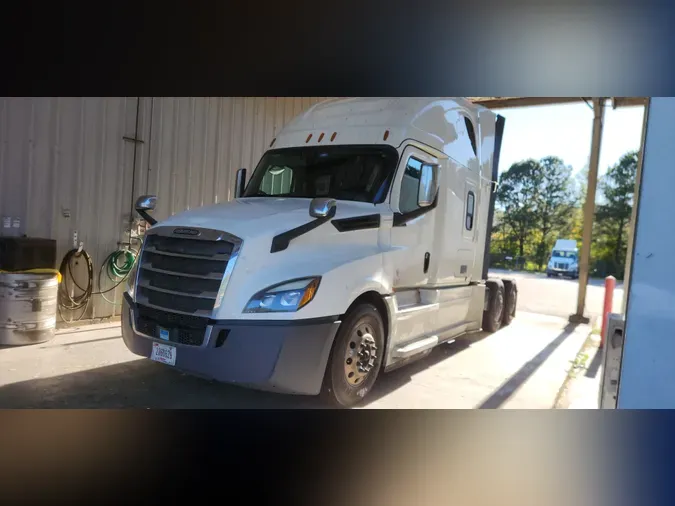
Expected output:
(321, 209)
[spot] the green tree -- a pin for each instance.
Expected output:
(613, 213)
(518, 188)
(581, 185)
(575, 227)
(554, 203)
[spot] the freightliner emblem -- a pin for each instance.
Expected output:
(185, 231)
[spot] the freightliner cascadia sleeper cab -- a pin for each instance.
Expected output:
(359, 243)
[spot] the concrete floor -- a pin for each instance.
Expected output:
(521, 366)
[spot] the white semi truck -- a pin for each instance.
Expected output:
(359, 243)
(564, 260)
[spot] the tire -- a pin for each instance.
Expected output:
(492, 317)
(345, 383)
(510, 301)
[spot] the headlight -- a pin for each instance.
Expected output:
(285, 297)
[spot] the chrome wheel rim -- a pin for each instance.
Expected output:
(360, 355)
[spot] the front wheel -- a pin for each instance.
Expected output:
(356, 357)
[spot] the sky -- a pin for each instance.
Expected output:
(565, 131)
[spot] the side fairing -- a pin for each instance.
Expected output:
(491, 127)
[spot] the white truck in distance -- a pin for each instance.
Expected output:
(564, 259)
(360, 243)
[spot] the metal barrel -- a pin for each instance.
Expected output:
(27, 308)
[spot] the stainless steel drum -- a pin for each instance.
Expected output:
(27, 308)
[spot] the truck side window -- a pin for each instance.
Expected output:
(472, 134)
(410, 186)
(470, 206)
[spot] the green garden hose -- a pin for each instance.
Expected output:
(117, 270)
(117, 267)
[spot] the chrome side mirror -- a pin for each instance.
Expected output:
(146, 203)
(322, 207)
(240, 184)
(428, 185)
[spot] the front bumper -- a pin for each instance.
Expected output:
(561, 272)
(279, 356)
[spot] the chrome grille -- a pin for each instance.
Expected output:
(207, 268)
(183, 274)
(172, 283)
(190, 330)
(191, 248)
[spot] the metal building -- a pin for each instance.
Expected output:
(70, 168)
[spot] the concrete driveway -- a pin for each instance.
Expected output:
(558, 296)
(521, 366)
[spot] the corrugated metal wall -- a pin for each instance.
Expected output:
(196, 145)
(76, 164)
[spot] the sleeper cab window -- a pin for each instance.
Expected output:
(410, 186)
(470, 207)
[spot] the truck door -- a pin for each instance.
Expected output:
(412, 236)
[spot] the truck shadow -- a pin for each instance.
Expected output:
(141, 384)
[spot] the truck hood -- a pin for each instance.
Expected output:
(324, 251)
(259, 216)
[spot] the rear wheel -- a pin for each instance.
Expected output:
(510, 301)
(492, 316)
(356, 357)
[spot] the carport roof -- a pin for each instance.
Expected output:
(506, 102)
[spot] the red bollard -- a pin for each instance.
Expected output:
(610, 283)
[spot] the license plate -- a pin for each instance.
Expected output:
(163, 353)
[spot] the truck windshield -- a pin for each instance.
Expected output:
(564, 254)
(357, 173)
